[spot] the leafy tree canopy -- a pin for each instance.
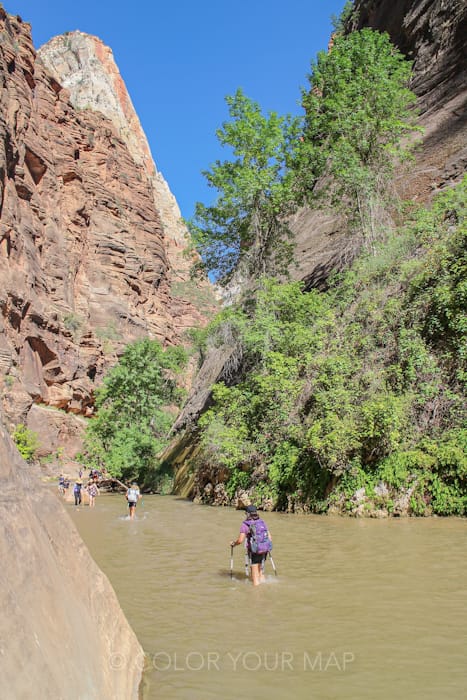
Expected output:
(245, 225)
(357, 107)
(131, 421)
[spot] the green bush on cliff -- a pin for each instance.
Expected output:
(358, 108)
(27, 442)
(360, 384)
(438, 292)
(132, 420)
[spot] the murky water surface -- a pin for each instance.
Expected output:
(362, 609)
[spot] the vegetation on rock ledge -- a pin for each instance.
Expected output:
(354, 398)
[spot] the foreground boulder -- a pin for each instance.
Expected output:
(64, 634)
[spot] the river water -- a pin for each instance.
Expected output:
(368, 609)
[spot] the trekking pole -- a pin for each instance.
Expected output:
(247, 565)
(272, 563)
(231, 561)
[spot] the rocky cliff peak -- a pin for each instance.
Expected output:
(85, 66)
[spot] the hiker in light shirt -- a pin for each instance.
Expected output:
(132, 496)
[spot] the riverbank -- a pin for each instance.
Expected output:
(379, 502)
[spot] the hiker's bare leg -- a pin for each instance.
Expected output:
(132, 512)
(255, 575)
(262, 577)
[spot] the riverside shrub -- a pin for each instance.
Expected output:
(131, 421)
(349, 387)
(27, 442)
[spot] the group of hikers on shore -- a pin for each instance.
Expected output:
(133, 494)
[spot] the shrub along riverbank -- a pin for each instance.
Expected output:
(352, 399)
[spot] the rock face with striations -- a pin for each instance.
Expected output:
(64, 634)
(91, 243)
(86, 68)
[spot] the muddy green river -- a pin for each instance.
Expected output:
(367, 609)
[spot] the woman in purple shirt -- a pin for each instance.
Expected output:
(257, 559)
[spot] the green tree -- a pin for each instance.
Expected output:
(246, 227)
(358, 109)
(131, 422)
(142, 381)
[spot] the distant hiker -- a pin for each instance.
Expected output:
(255, 534)
(93, 491)
(80, 473)
(61, 485)
(77, 492)
(132, 496)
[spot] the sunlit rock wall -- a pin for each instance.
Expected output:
(63, 634)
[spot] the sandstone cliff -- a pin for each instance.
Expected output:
(86, 68)
(62, 626)
(91, 243)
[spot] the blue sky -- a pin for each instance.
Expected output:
(180, 58)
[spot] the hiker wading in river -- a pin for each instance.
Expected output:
(255, 534)
(132, 496)
(93, 491)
